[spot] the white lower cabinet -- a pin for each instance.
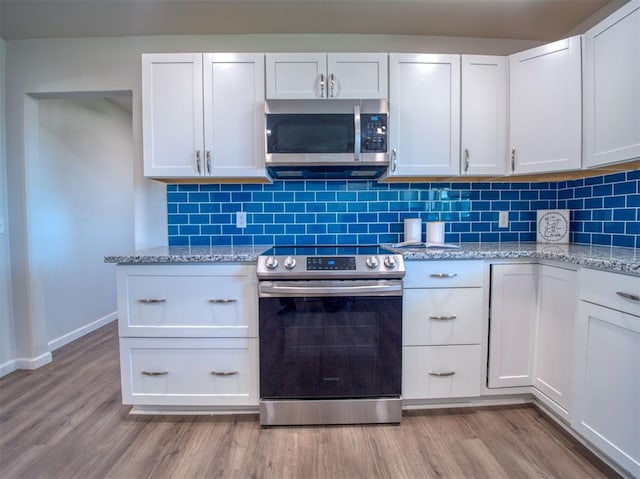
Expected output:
(557, 297)
(606, 406)
(431, 372)
(442, 330)
(512, 317)
(194, 372)
(188, 335)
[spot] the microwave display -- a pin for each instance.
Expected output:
(325, 133)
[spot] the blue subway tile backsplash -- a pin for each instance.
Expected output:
(605, 210)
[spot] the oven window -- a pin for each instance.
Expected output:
(310, 133)
(333, 347)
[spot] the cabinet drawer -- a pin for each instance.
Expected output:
(612, 290)
(442, 316)
(203, 372)
(181, 301)
(430, 372)
(443, 274)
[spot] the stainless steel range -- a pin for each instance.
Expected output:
(330, 335)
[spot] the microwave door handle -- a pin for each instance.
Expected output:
(357, 131)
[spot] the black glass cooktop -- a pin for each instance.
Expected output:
(324, 250)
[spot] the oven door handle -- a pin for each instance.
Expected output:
(281, 289)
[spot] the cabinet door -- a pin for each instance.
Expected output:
(430, 372)
(187, 301)
(172, 115)
(612, 88)
(296, 76)
(357, 75)
(189, 372)
(424, 103)
(557, 302)
(607, 396)
(234, 115)
(546, 108)
(484, 115)
(511, 337)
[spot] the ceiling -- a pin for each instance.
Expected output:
(543, 20)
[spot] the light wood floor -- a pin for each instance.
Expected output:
(66, 421)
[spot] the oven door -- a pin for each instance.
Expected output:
(330, 339)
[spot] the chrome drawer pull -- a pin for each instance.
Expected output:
(632, 297)
(224, 373)
(223, 301)
(152, 301)
(443, 275)
(441, 375)
(155, 373)
(443, 318)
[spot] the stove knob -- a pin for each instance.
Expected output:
(271, 263)
(390, 262)
(289, 262)
(372, 262)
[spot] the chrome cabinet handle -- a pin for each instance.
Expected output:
(394, 159)
(321, 85)
(357, 144)
(197, 160)
(152, 300)
(513, 160)
(632, 297)
(332, 83)
(443, 275)
(466, 160)
(443, 318)
(224, 373)
(208, 161)
(223, 301)
(155, 373)
(442, 374)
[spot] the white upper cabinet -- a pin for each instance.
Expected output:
(424, 114)
(612, 88)
(234, 115)
(203, 115)
(310, 76)
(546, 108)
(484, 115)
(172, 114)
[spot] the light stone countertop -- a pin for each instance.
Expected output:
(607, 258)
(191, 254)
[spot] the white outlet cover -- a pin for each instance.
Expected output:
(503, 219)
(241, 219)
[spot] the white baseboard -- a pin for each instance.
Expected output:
(8, 367)
(81, 331)
(33, 363)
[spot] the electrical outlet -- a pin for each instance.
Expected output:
(503, 219)
(241, 219)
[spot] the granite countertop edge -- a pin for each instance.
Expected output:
(608, 258)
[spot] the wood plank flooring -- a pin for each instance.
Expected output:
(66, 421)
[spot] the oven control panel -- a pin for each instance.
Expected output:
(331, 263)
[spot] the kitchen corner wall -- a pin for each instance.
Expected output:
(605, 210)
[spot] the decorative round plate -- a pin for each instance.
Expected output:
(553, 226)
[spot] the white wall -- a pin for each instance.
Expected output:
(7, 336)
(50, 67)
(82, 211)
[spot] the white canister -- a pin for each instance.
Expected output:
(413, 230)
(435, 232)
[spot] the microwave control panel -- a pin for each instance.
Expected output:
(373, 132)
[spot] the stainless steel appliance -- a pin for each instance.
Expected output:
(323, 145)
(330, 324)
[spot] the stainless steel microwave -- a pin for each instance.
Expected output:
(326, 145)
